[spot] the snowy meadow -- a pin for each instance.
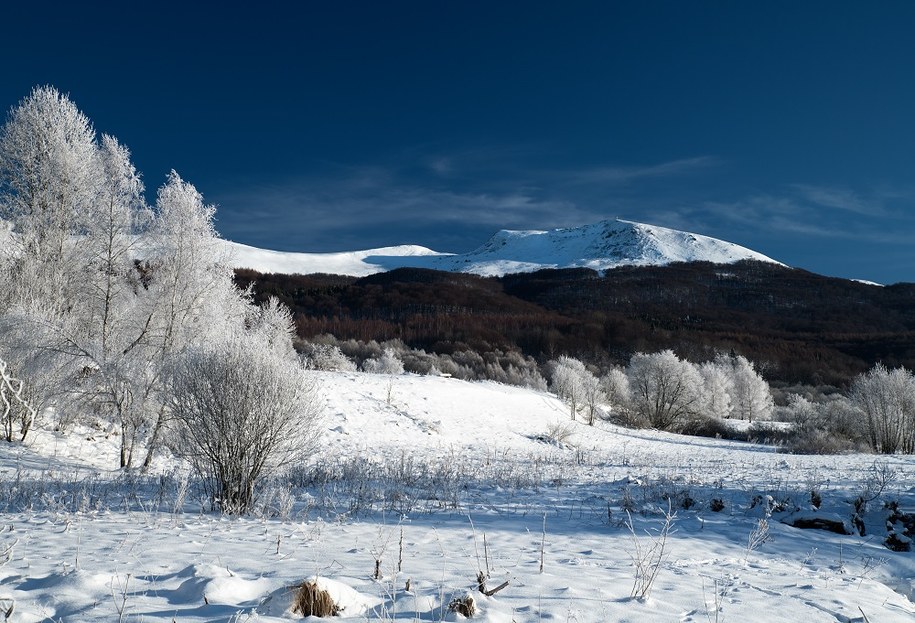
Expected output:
(423, 483)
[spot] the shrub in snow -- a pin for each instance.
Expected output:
(800, 410)
(665, 390)
(830, 427)
(648, 553)
(810, 440)
(472, 361)
(712, 427)
(525, 377)
(558, 433)
(886, 399)
(326, 357)
(242, 411)
(387, 363)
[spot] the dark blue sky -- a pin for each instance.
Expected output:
(788, 127)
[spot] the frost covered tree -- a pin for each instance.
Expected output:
(16, 414)
(118, 216)
(751, 398)
(665, 390)
(100, 295)
(717, 389)
(113, 313)
(191, 294)
(243, 409)
(615, 385)
(887, 400)
(74, 208)
(49, 181)
(578, 386)
(386, 363)
(593, 396)
(570, 382)
(273, 324)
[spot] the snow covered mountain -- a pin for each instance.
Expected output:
(600, 246)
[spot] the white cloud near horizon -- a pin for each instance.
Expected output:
(513, 198)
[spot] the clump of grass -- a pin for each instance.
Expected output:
(311, 600)
(464, 606)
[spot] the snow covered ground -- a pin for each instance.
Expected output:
(439, 479)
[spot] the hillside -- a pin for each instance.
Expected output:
(802, 327)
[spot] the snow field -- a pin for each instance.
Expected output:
(466, 474)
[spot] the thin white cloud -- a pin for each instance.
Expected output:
(810, 213)
(620, 175)
(371, 201)
(840, 199)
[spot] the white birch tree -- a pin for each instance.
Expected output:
(49, 181)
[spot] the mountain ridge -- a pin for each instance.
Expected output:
(598, 246)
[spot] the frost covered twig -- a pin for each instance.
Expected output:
(757, 536)
(648, 557)
(11, 393)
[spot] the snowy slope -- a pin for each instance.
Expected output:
(600, 246)
(89, 544)
(355, 263)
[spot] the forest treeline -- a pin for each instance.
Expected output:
(798, 326)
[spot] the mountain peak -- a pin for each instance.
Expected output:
(599, 246)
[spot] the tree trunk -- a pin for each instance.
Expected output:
(154, 439)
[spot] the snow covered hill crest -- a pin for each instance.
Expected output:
(600, 246)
